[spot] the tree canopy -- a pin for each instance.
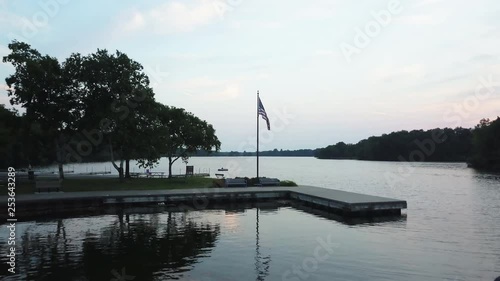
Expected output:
(89, 104)
(179, 134)
(10, 124)
(486, 140)
(38, 85)
(116, 103)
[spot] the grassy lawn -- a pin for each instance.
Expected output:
(100, 184)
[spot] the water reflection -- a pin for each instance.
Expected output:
(48, 255)
(149, 242)
(149, 249)
(262, 263)
(145, 246)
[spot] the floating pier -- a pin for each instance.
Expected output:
(328, 200)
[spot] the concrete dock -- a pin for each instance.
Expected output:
(334, 201)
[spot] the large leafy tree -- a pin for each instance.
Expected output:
(38, 86)
(178, 135)
(117, 103)
(100, 100)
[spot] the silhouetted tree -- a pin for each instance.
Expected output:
(38, 86)
(486, 140)
(179, 134)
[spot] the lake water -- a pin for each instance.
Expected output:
(451, 231)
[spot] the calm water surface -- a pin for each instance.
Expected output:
(451, 231)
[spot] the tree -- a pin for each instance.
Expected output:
(486, 145)
(96, 101)
(117, 103)
(38, 86)
(9, 130)
(179, 134)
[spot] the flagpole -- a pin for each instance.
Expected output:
(258, 181)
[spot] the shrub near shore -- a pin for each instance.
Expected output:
(251, 182)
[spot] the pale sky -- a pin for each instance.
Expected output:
(327, 71)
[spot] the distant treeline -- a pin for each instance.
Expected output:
(442, 145)
(274, 152)
(479, 146)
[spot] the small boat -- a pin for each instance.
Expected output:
(222, 169)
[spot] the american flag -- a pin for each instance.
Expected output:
(262, 112)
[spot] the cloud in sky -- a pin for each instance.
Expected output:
(397, 73)
(252, 24)
(428, 2)
(206, 88)
(172, 17)
(482, 58)
(4, 99)
(9, 20)
(216, 90)
(4, 50)
(422, 19)
(424, 61)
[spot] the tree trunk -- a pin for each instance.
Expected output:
(127, 168)
(59, 159)
(61, 171)
(170, 163)
(118, 168)
(120, 171)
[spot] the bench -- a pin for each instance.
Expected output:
(235, 182)
(47, 185)
(135, 175)
(269, 182)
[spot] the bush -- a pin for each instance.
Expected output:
(251, 182)
(218, 183)
(287, 183)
